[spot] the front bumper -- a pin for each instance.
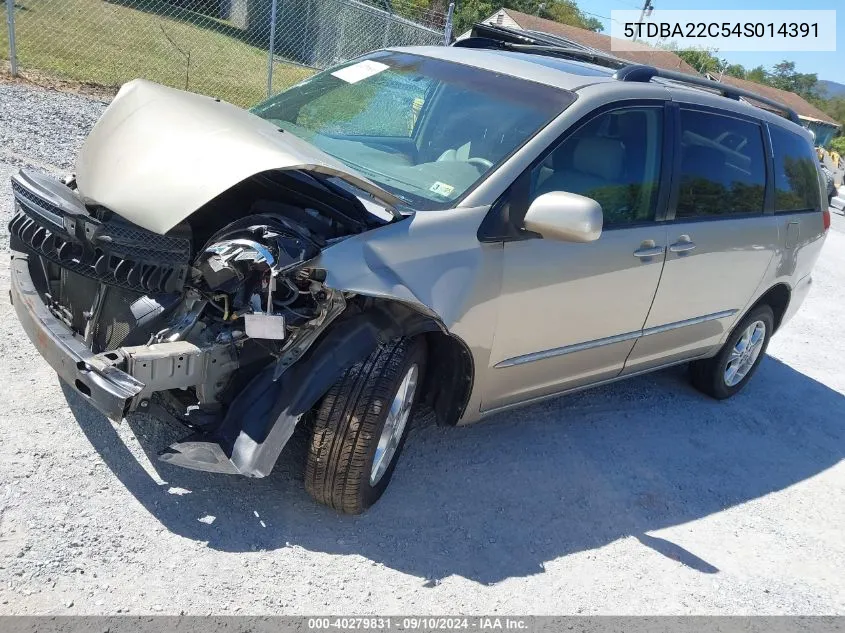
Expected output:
(107, 388)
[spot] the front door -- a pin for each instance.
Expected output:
(570, 313)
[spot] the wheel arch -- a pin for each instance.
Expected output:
(449, 377)
(450, 374)
(261, 418)
(777, 298)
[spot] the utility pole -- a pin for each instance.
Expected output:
(646, 12)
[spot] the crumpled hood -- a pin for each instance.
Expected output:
(158, 154)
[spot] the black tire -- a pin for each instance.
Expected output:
(349, 422)
(708, 375)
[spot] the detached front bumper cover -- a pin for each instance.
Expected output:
(106, 387)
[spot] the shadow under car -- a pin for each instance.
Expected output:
(499, 499)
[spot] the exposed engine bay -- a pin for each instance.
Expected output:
(194, 314)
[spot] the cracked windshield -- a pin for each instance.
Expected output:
(424, 129)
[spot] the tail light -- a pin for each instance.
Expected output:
(826, 219)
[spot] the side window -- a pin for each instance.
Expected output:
(723, 166)
(614, 159)
(796, 175)
(387, 107)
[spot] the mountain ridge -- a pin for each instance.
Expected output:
(830, 89)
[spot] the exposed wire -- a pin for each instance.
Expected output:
(225, 298)
(603, 17)
(629, 4)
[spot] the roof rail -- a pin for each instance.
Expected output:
(522, 36)
(642, 73)
(539, 49)
(487, 36)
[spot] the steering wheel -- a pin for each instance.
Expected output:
(480, 162)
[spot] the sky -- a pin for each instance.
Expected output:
(829, 66)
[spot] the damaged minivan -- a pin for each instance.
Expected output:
(464, 228)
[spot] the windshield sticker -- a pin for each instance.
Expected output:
(441, 189)
(356, 72)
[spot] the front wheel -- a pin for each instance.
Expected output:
(730, 370)
(361, 425)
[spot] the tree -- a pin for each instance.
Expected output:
(563, 12)
(785, 77)
(593, 24)
(567, 12)
(757, 75)
(736, 70)
(468, 12)
(783, 70)
(835, 108)
(703, 60)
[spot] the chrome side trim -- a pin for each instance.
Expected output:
(694, 321)
(610, 340)
(568, 349)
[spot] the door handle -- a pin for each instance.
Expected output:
(648, 249)
(683, 245)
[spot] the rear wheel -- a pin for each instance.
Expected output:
(360, 427)
(730, 370)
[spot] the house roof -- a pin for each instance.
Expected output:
(668, 60)
(803, 108)
(643, 55)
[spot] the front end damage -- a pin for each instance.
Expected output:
(179, 268)
(216, 318)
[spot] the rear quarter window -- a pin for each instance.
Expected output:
(797, 184)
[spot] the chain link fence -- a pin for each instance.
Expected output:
(237, 50)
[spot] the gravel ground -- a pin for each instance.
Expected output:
(640, 498)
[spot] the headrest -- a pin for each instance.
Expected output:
(598, 156)
(632, 123)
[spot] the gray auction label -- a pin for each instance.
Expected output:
(285, 624)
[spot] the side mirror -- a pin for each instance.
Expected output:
(559, 215)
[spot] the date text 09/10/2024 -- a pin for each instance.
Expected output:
(418, 623)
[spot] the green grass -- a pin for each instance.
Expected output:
(108, 44)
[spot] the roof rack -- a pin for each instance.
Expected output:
(644, 74)
(502, 38)
(522, 36)
(489, 36)
(540, 49)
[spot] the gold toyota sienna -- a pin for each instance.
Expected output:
(470, 228)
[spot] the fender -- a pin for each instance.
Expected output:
(262, 418)
(413, 277)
